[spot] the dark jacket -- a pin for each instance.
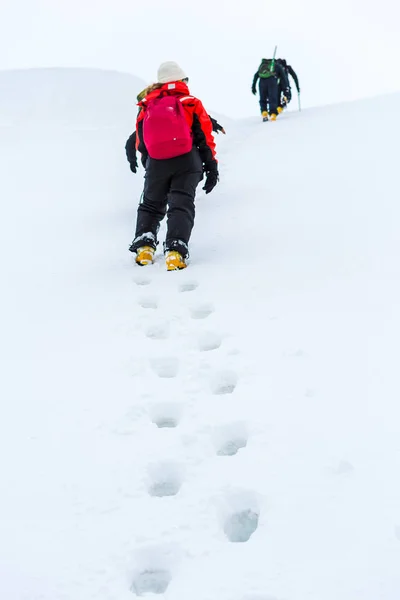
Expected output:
(289, 71)
(279, 73)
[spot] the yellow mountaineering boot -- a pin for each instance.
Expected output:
(174, 261)
(264, 115)
(144, 255)
(272, 117)
(280, 110)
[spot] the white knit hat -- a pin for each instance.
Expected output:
(170, 71)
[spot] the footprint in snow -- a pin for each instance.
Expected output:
(165, 366)
(240, 516)
(229, 439)
(165, 479)
(343, 468)
(151, 581)
(142, 280)
(240, 526)
(189, 286)
(209, 341)
(148, 302)
(158, 331)
(166, 414)
(202, 311)
(153, 569)
(223, 382)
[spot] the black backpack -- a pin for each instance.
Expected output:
(267, 68)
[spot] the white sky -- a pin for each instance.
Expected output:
(341, 50)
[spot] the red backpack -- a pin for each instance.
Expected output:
(166, 133)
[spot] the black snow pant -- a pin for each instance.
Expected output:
(269, 95)
(281, 92)
(169, 188)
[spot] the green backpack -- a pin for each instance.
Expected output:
(267, 68)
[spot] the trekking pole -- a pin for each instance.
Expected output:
(298, 97)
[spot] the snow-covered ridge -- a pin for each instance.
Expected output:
(68, 97)
(71, 98)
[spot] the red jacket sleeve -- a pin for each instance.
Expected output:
(202, 135)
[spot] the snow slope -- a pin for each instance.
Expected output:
(226, 432)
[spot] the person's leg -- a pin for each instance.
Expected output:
(181, 212)
(151, 210)
(273, 95)
(281, 103)
(181, 208)
(263, 87)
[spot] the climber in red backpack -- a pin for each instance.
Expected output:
(174, 136)
(130, 145)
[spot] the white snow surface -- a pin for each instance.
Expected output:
(227, 432)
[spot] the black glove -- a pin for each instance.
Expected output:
(288, 94)
(144, 160)
(219, 128)
(253, 91)
(134, 166)
(212, 178)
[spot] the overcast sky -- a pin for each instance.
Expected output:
(341, 50)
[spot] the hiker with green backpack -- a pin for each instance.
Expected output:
(269, 73)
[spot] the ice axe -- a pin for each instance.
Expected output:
(273, 60)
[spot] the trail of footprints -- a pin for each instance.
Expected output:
(165, 479)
